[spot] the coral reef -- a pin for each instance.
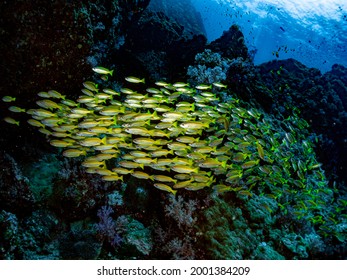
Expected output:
(158, 135)
(136, 238)
(106, 227)
(31, 237)
(15, 193)
(232, 161)
(209, 68)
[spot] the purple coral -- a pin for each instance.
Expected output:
(107, 227)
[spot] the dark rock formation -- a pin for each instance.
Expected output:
(183, 12)
(231, 44)
(158, 43)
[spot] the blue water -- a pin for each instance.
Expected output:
(311, 31)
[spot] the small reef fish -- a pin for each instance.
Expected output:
(130, 164)
(91, 86)
(36, 123)
(110, 91)
(134, 80)
(203, 87)
(43, 113)
(11, 121)
(112, 178)
(161, 83)
(8, 98)
(48, 104)
(219, 85)
(180, 85)
(141, 175)
(165, 187)
(93, 141)
(184, 169)
(122, 171)
(102, 70)
(60, 143)
(194, 125)
(55, 94)
(16, 109)
(44, 94)
(165, 179)
(72, 153)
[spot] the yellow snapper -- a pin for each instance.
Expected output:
(71, 153)
(184, 169)
(93, 141)
(141, 175)
(8, 98)
(102, 70)
(11, 121)
(16, 109)
(55, 94)
(135, 80)
(112, 178)
(164, 187)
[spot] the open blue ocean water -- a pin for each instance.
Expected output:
(311, 31)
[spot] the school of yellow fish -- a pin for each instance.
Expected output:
(177, 136)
